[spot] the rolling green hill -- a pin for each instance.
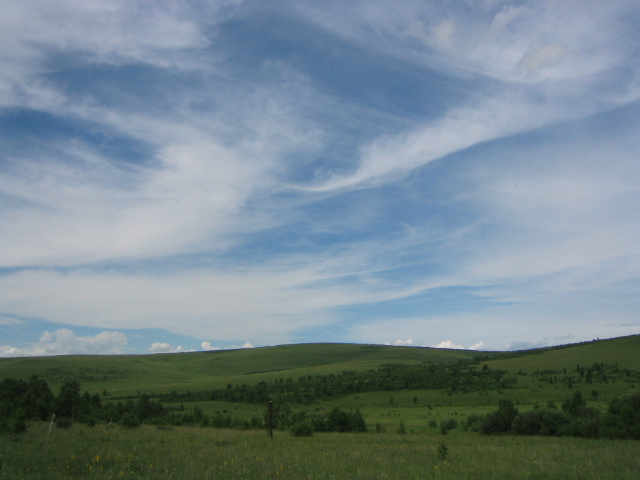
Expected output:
(623, 351)
(123, 375)
(404, 397)
(128, 374)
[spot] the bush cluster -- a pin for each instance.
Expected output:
(22, 401)
(621, 420)
(461, 377)
(301, 424)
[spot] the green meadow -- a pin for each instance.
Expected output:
(405, 438)
(129, 374)
(104, 452)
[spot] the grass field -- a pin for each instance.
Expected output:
(129, 374)
(149, 452)
(104, 452)
(123, 375)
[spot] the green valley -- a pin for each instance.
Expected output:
(404, 398)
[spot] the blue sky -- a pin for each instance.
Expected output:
(180, 176)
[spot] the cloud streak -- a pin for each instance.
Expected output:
(356, 172)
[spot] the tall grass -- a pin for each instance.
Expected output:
(106, 452)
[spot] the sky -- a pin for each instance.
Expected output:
(185, 176)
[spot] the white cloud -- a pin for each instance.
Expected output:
(7, 320)
(448, 344)
(164, 347)
(542, 57)
(553, 62)
(270, 300)
(542, 223)
(207, 346)
(443, 35)
(190, 195)
(527, 345)
(102, 32)
(205, 164)
(506, 16)
(560, 226)
(491, 41)
(403, 343)
(451, 345)
(508, 113)
(66, 342)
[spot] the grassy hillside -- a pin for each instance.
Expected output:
(623, 351)
(464, 391)
(600, 370)
(128, 374)
(161, 373)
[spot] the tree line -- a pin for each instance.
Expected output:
(463, 377)
(620, 420)
(32, 400)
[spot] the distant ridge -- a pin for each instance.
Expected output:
(197, 371)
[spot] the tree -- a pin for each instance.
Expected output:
(280, 415)
(68, 400)
(129, 420)
(143, 408)
(574, 406)
(401, 429)
(500, 421)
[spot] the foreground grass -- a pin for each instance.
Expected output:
(197, 453)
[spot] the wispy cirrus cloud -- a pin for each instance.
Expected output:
(548, 65)
(252, 175)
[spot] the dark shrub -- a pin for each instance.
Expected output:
(63, 422)
(302, 429)
(443, 451)
(448, 424)
(129, 420)
(401, 429)
(547, 421)
(552, 422)
(15, 424)
(576, 406)
(623, 418)
(581, 427)
(500, 421)
(338, 420)
(256, 423)
(473, 422)
(528, 423)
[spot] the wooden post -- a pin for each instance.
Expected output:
(270, 418)
(51, 424)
